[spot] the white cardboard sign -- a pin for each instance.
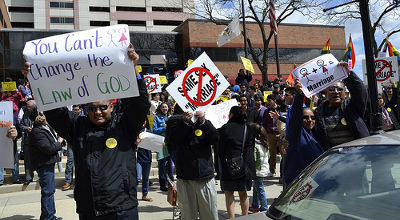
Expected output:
(153, 83)
(151, 141)
(199, 85)
(319, 73)
(218, 115)
(386, 69)
(81, 67)
(6, 144)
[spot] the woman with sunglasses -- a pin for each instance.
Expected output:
(303, 148)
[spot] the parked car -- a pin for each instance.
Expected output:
(356, 180)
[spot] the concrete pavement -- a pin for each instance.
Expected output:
(26, 205)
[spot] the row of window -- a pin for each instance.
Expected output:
(135, 9)
(136, 23)
(61, 5)
(61, 20)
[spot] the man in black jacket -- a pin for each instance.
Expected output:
(104, 153)
(340, 119)
(197, 195)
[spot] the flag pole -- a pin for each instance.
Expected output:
(244, 30)
(277, 55)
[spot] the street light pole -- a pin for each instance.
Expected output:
(375, 115)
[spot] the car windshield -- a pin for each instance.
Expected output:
(360, 182)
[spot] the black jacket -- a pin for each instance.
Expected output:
(353, 110)
(230, 145)
(105, 179)
(193, 152)
(44, 147)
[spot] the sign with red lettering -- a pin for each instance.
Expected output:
(6, 146)
(386, 69)
(199, 85)
(153, 83)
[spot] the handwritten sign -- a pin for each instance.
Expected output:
(153, 83)
(198, 86)
(6, 146)
(319, 73)
(386, 69)
(247, 64)
(266, 94)
(8, 86)
(81, 67)
(139, 68)
(151, 141)
(163, 80)
(157, 59)
(223, 98)
(218, 115)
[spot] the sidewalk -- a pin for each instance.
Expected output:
(26, 205)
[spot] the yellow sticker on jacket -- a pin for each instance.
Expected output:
(111, 143)
(389, 109)
(198, 132)
(343, 121)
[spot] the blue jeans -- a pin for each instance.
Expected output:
(47, 183)
(15, 169)
(170, 168)
(69, 169)
(131, 214)
(143, 169)
(259, 197)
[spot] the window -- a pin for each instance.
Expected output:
(20, 9)
(99, 23)
(61, 20)
(123, 8)
(166, 9)
(132, 23)
(61, 5)
(22, 24)
(167, 23)
(99, 9)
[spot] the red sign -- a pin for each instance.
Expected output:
(152, 80)
(199, 71)
(385, 64)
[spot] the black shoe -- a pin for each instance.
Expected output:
(27, 183)
(150, 183)
(163, 185)
(17, 182)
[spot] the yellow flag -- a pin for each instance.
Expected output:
(189, 62)
(8, 86)
(266, 94)
(139, 68)
(247, 64)
(163, 80)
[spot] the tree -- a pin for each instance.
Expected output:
(256, 11)
(384, 17)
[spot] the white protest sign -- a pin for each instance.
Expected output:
(303, 193)
(198, 86)
(319, 73)
(153, 83)
(157, 59)
(218, 115)
(81, 67)
(151, 141)
(6, 146)
(385, 71)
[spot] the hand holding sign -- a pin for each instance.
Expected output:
(12, 132)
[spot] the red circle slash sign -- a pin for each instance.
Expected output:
(151, 81)
(199, 71)
(385, 64)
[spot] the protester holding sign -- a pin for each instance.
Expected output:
(103, 145)
(340, 119)
(392, 100)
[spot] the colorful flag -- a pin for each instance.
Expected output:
(290, 79)
(272, 17)
(326, 49)
(349, 55)
(393, 52)
(231, 31)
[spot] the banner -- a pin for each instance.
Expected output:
(230, 32)
(151, 141)
(198, 86)
(81, 67)
(319, 73)
(6, 146)
(247, 64)
(386, 69)
(153, 83)
(8, 86)
(218, 115)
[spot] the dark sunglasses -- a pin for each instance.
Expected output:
(101, 107)
(333, 88)
(307, 117)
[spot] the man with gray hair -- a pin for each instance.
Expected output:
(30, 113)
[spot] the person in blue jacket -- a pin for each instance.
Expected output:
(303, 147)
(163, 157)
(143, 165)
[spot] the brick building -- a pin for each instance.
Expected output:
(298, 43)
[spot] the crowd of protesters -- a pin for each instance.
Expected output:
(284, 123)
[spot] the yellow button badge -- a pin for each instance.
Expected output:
(111, 143)
(389, 109)
(198, 132)
(343, 121)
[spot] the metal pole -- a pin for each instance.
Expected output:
(375, 116)
(278, 69)
(244, 30)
